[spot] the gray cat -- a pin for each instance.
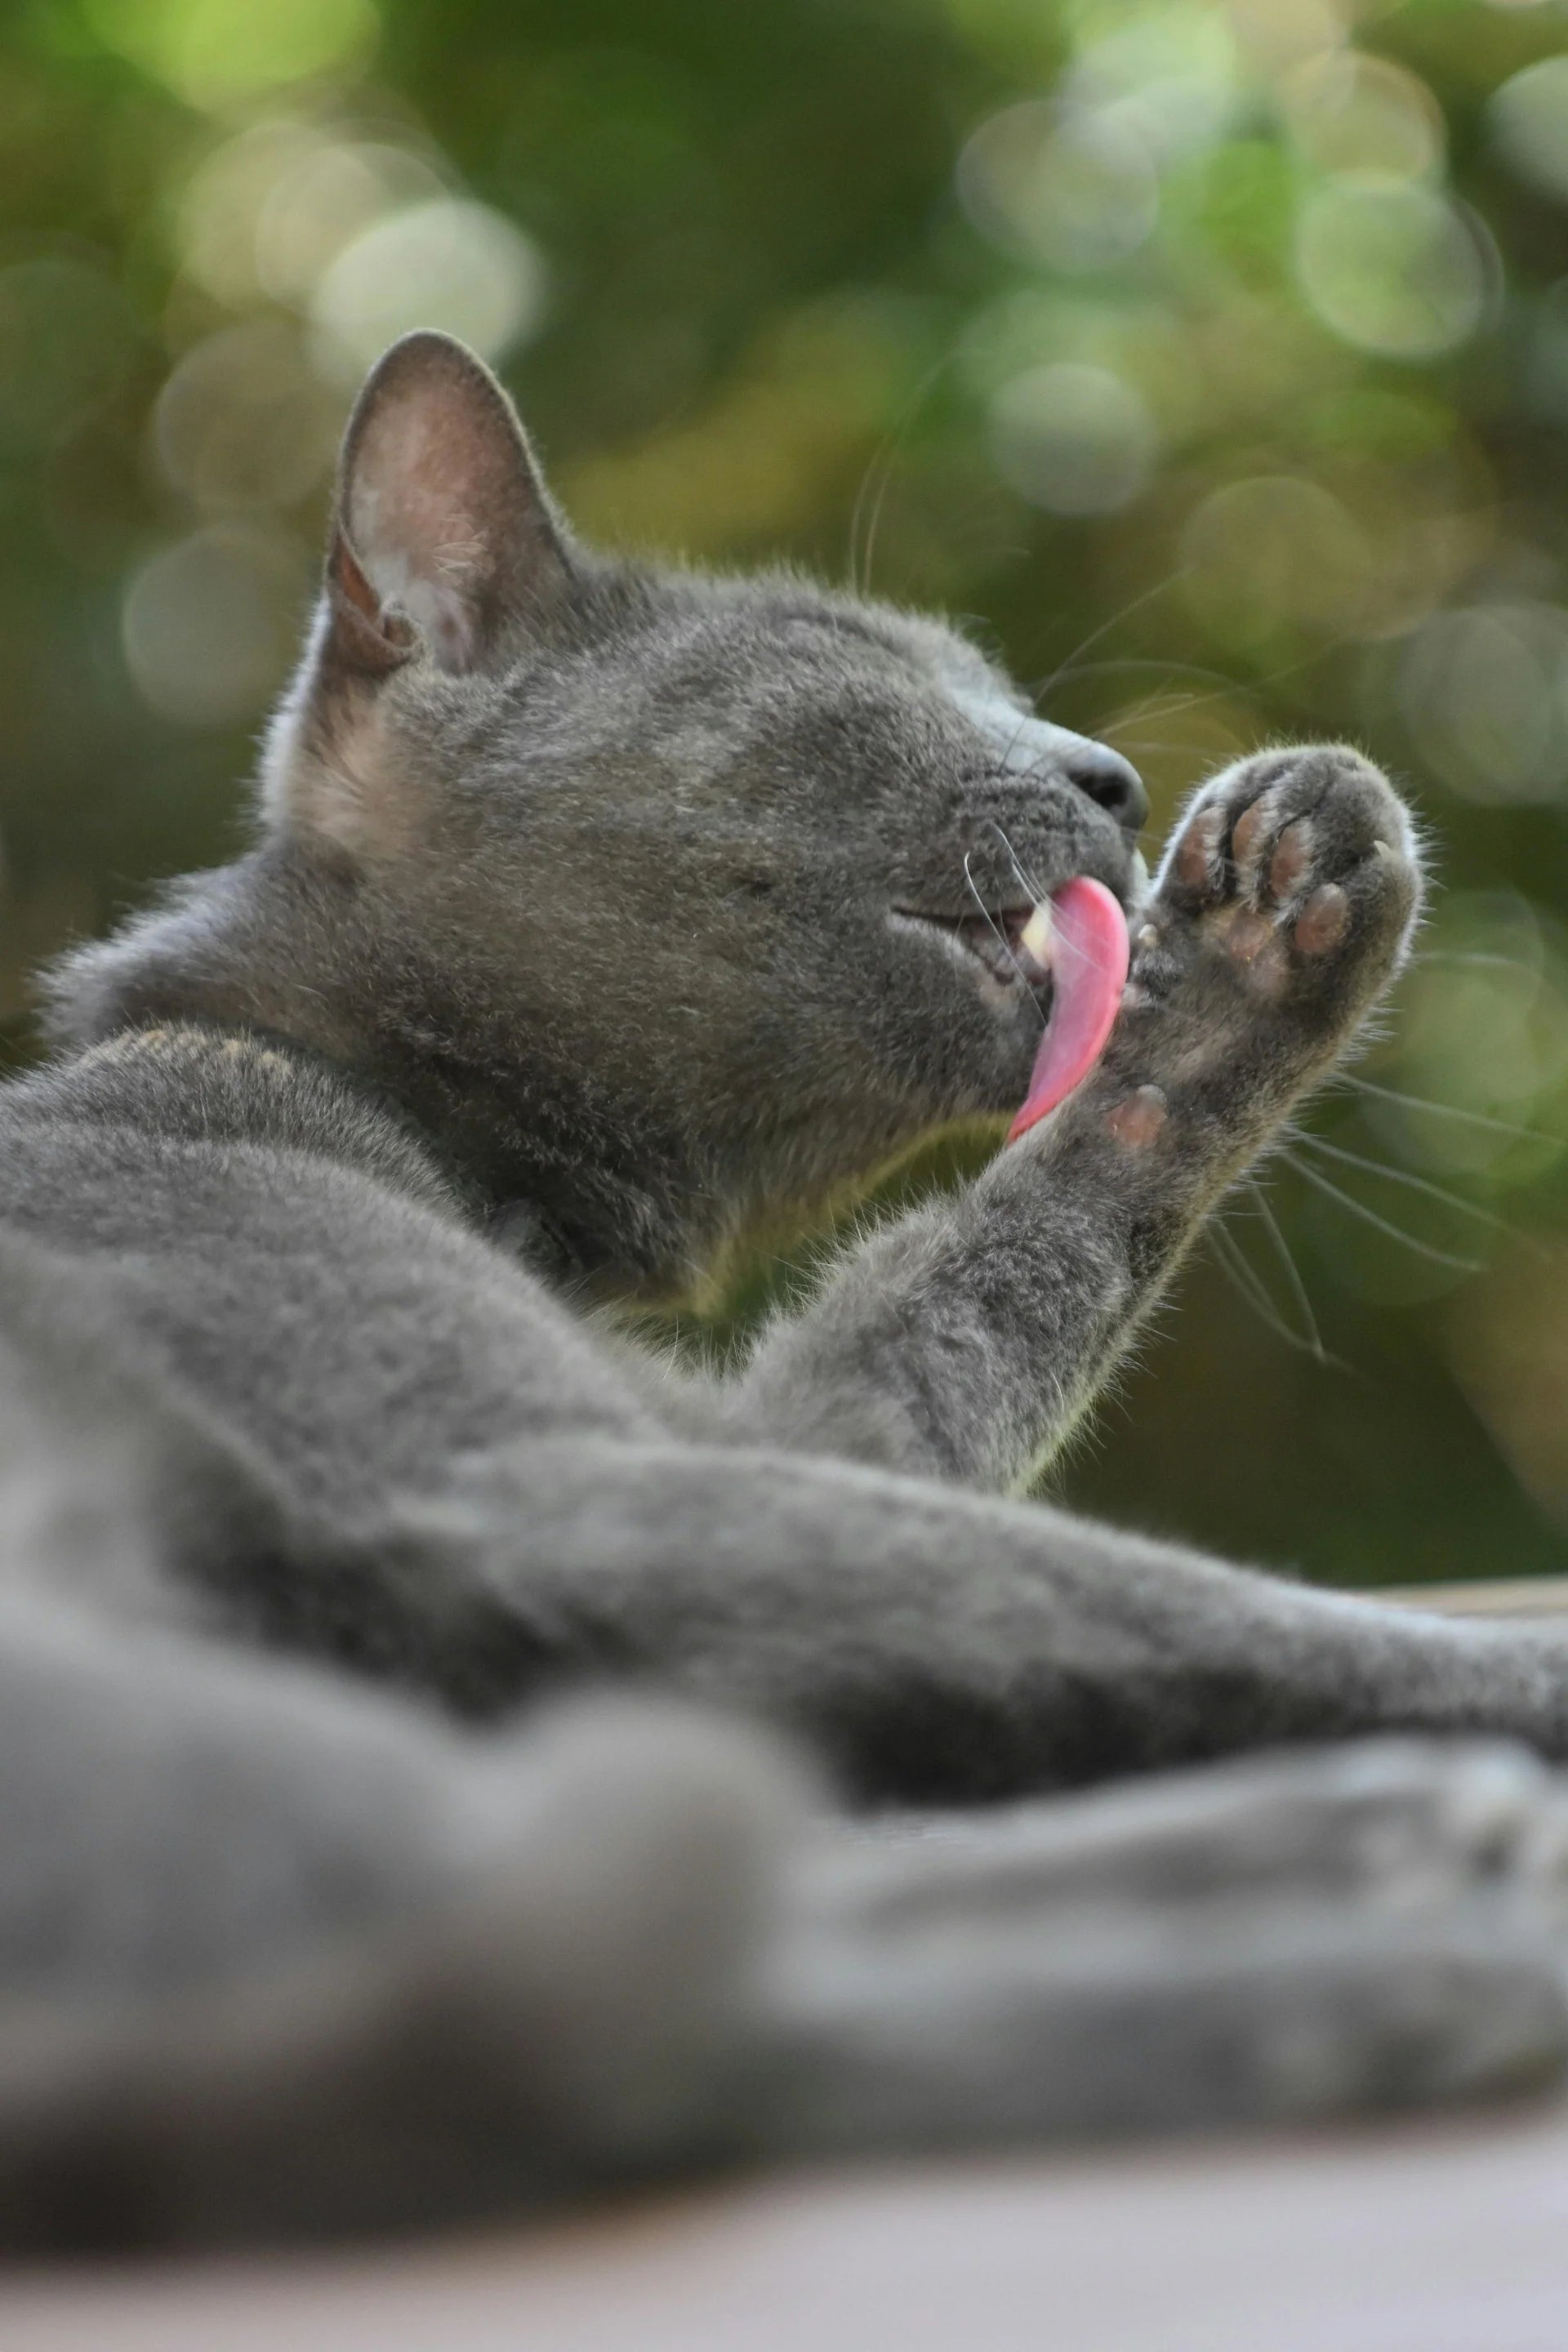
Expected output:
(593, 912)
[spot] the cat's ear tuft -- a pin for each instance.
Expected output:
(444, 532)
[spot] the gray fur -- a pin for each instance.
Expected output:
(594, 914)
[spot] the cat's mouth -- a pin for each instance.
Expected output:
(1073, 944)
(994, 940)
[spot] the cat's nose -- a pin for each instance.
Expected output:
(1109, 779)
(1039, 748)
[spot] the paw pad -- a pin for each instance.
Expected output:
(1199, 854)
(1323, 921)
(1141, 1118)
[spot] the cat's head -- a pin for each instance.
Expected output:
(613, 871)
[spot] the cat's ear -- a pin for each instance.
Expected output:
(444, 534)
(445, 551)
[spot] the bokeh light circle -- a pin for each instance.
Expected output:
(1545, 370)
(1075, 440)
(1270, 552)
(1529, 121)
(1391, 266)
(1484, 694)
(1068, 188)
(1168, 77)
(1350, 112)
(334, 191)
(450, 264)
(213, 54)
(209, 626)
(243, 421)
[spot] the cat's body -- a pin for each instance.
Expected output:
(595, 911)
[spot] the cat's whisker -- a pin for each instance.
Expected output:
(1159, 699)
(1444, 1110)
(879, 470)
(1232, 1262)
(1003, 941)
(1155, 708)
(1118, 732)
(1471, 956)
(868, 552)
(851, 554)
(1150, 706)
(1315, 1177)
(1140, 744)
(1026, 718)
(1413, 1183)
(1025, 882)
(879, 467)
(1230, 685)
(1292, 1271)
(1048, 685)
(1109, 664)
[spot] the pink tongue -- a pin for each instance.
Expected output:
(1088, 966)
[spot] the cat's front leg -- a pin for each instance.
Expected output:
(966, 1341)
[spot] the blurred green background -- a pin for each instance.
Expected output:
(1212, 358)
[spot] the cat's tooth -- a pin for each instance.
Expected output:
(1037, 937)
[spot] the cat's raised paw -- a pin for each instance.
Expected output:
(1293, 860)
(1281, 910)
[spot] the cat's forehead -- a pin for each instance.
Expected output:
(902, 684)
(791, 630)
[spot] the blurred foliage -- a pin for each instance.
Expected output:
(1211, 356)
